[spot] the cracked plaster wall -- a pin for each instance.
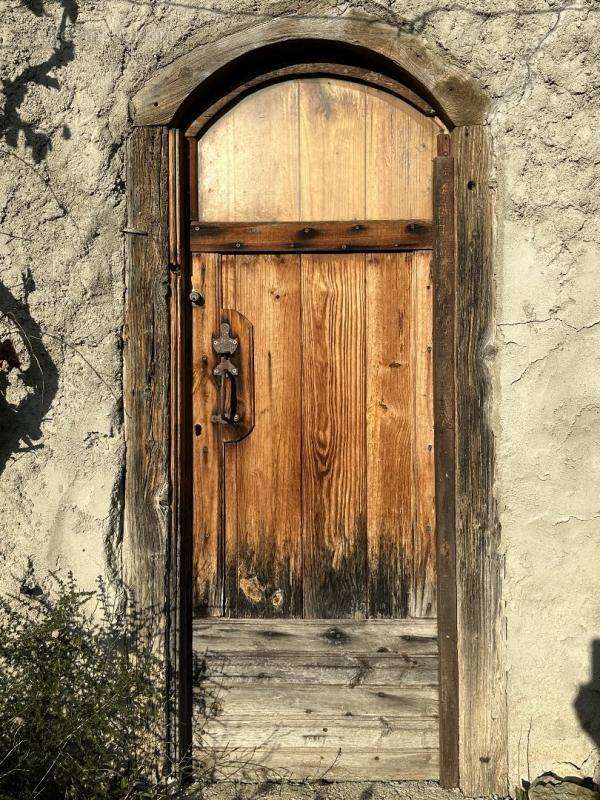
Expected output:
(68, 69)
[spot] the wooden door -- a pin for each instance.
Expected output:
(314, 529)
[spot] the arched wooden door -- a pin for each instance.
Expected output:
(314, 531)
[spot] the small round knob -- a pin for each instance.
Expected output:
(197, 298)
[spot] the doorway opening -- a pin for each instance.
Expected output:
(313, 436)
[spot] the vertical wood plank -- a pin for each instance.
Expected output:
(479, 565)
(216, 176)
(332, 149)
(266, 155)
(423, 596)
(206, 452)
(229, 493)
(146, 371)
(444, 397)
(400, 146)
(268, 478)
(390, 416)
(193, 184)
(333, 452)
(179, 573)
(239, 179)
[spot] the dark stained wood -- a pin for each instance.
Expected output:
(479, 564)
(444, 313)
(146, 369)
(266, 528)
(206, 438)
(333, 439)
(366, 76)
(390, 430)
(162, 99)
(179, 570)
(192, 160)
(265, 237)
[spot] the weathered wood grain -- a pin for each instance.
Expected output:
(206, 448)
(215, 167)
(458, 99)
(390, 429)
(268, 667)
(228, 553)
(327, 141)
(292, 699)
(179, 569)
(259, 237)
(268, 520)
(400, 145)
(367, 764)
(331, 149)
(146, 371)
(400, 636)
(423, 595)
(479, 565)
(317, 733)
(333, 439)
(444, 266)
(295, 691)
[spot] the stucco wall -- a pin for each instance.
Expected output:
(69, 68)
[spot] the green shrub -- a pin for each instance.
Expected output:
(81, 697)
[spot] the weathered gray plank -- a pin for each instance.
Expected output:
(335, 669)
(479, 567)
(281, 701)
(388, 733)
(402, 636)
(372, 764)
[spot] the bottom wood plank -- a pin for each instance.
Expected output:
(355, 764)
(316, 733)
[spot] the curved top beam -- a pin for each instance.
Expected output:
(457, 100)
(358, 74)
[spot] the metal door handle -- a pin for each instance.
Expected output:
(226, 372)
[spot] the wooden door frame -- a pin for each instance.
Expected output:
(157, 549)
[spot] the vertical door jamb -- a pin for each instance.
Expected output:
(444, 287)
(179, 578)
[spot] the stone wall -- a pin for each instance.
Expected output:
(69, 68)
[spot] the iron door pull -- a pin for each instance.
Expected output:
(225, 345)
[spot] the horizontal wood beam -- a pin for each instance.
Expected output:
(310, 237)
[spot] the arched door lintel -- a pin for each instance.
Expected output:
(212, 70)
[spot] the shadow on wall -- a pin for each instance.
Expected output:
(14, 90)
(587, 702)
(22, 354)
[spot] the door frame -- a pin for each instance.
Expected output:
(157, 545)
